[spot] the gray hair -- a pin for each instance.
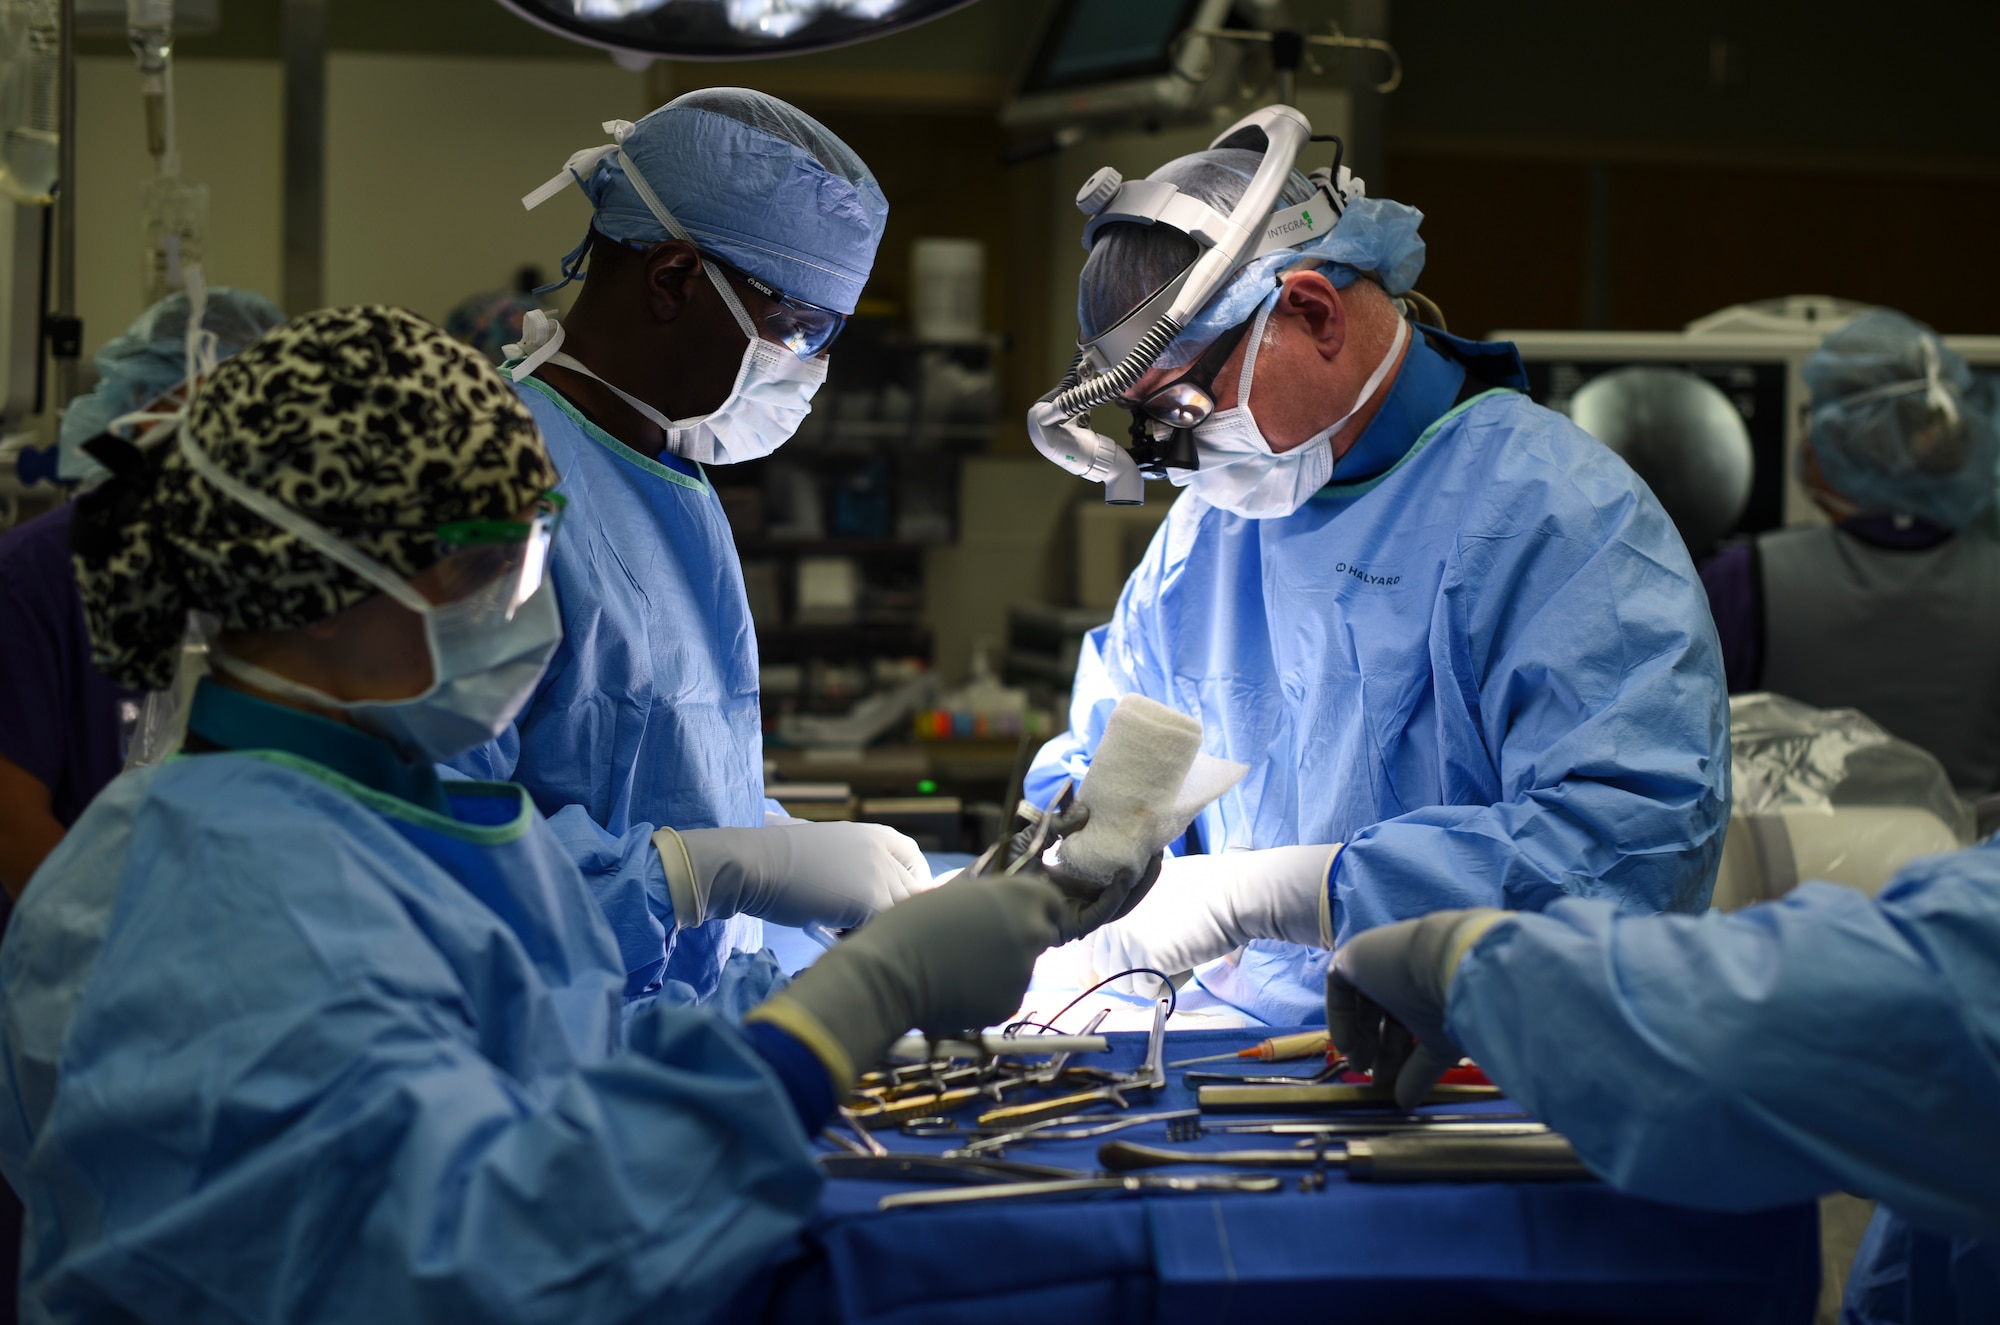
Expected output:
(1130, 262)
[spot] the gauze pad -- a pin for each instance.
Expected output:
(1146, 783)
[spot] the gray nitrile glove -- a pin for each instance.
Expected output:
(952, 959)
(790, 874)
(1086, 905)
(1385, 997)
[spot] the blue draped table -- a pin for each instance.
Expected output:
(1353, 1252)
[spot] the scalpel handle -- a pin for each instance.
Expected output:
(1547, 1158)
(1128, 1156)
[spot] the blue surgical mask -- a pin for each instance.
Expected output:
(484, 670)
(488, 647)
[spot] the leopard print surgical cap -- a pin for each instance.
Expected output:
(368, 421)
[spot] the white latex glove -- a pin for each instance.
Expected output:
(1204, 907)
(838, 874)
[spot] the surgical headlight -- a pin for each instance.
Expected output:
(1164, 419)
(1181, 405)
(1107, 365)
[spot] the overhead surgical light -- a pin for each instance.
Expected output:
(617, 9)
(770, 18)
(726, 29)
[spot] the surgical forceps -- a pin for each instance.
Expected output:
(1136, 1184)
(1076, 1127)
(888, 1167)
(995, 859)
(1331, 1072)
(921, 1089)
(1194, 1127)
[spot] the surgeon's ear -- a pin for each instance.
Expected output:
(671, 270)
(1311, 301)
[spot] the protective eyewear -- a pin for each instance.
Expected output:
(501, 562)
(804, 329)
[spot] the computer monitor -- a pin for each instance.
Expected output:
(1113, 60)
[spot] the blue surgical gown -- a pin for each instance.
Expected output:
(281, 1047)
(648, 716)
(1828, 1041)
(1480, 658)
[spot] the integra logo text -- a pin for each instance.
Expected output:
(1304, 222)
(1344, 569)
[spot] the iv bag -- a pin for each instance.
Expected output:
(149, 31)
(29, 77)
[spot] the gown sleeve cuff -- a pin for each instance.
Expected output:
(799, 1070)
(1327, 928)
(675, 863)
(1470, 930)
(788, 1015)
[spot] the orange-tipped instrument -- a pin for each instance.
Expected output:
(1274, 1050)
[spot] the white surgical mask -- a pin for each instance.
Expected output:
(487, 653)
(770, 398)
(773, 390)
(1239, 470)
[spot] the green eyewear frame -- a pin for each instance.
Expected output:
(479, 533)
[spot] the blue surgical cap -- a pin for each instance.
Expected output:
(1896, 426)
(148, 360)
(756, 182)
(1374, 237)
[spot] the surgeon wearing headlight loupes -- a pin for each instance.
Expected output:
(730, 235)
(1457, 641)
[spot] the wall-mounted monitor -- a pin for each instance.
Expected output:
(1114, 60)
